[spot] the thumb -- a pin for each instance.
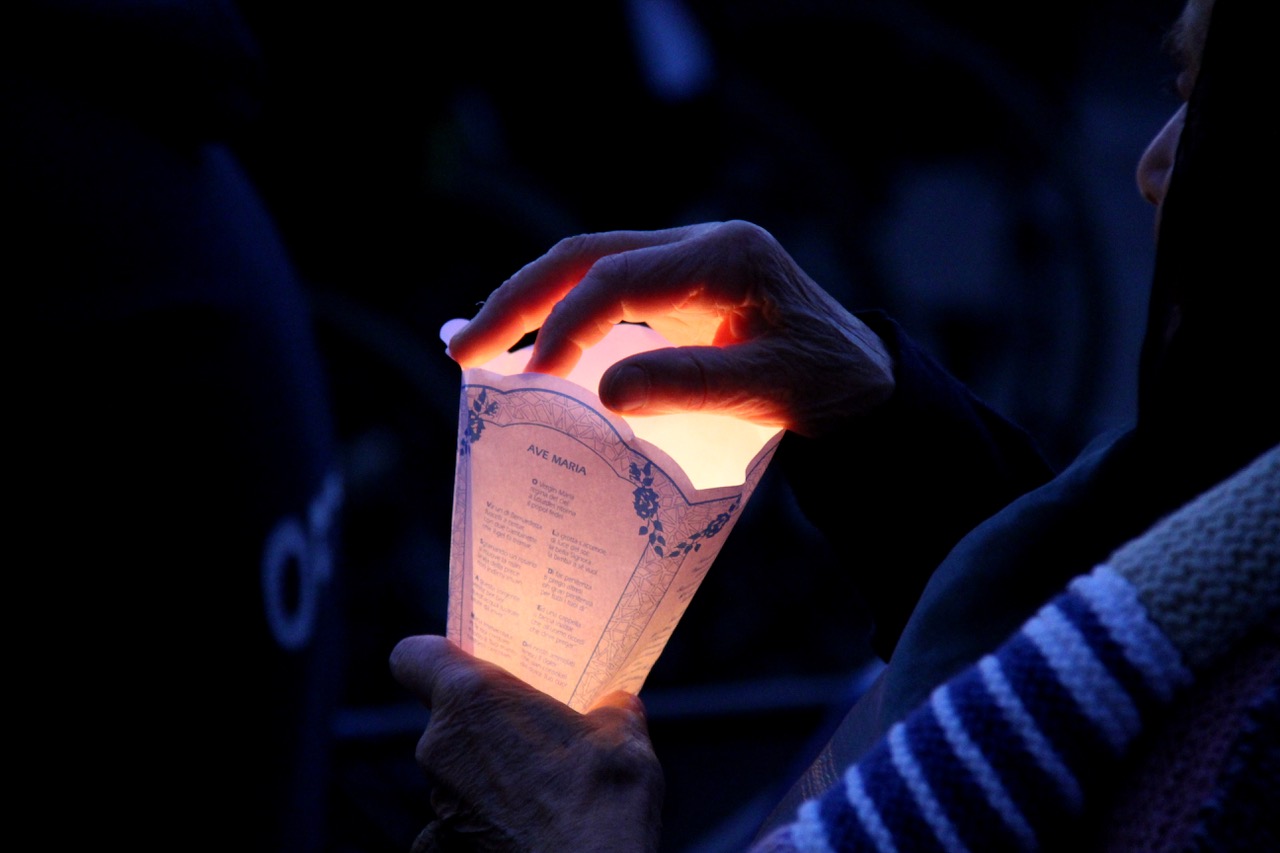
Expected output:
(742, 380)
(423, 663)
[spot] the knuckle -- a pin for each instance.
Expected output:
(612, 268)
(620, 747)
(626, 762)
(465, 684)
(698, 382)
(571, 248)
(427, 747)
(458, 683)
(443, 747)
(743, 235)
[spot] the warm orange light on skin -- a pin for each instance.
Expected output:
(580, 535)
(712, 450)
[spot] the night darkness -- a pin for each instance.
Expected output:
(968, 168)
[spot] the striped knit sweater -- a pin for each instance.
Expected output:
(1008, 753)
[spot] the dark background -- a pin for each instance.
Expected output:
(969, 168)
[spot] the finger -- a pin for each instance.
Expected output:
(621, 713)
(444, 801)
(438, 671)
(522, 303)
(429, 840)
(513, 310)
(743, 380)
(620, 700)
(423, 662)
(679, 286)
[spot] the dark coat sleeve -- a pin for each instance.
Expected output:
(893, 492)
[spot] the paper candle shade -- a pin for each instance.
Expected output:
(580, 536)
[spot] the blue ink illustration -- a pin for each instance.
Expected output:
(715, 526)
(645, 501)
(646, 504)
(482, 407)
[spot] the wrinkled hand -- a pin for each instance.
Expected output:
(755, 336)
(513, 769)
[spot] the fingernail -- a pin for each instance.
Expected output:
(628, 389)
(451, 328)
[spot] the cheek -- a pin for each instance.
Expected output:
(1156, 164)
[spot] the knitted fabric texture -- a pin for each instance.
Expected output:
(1207, 573)
(1006, 755)
(1181, 792)
(1241, 816)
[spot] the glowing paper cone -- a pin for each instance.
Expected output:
(580, 536)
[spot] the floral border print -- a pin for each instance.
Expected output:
(647, 505)
(481, 407)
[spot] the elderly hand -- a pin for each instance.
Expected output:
(755, 336)
(514, 769)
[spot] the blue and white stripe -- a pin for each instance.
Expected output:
(977, 766)
(1012, 746)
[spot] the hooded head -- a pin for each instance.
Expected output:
(1210, 365)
